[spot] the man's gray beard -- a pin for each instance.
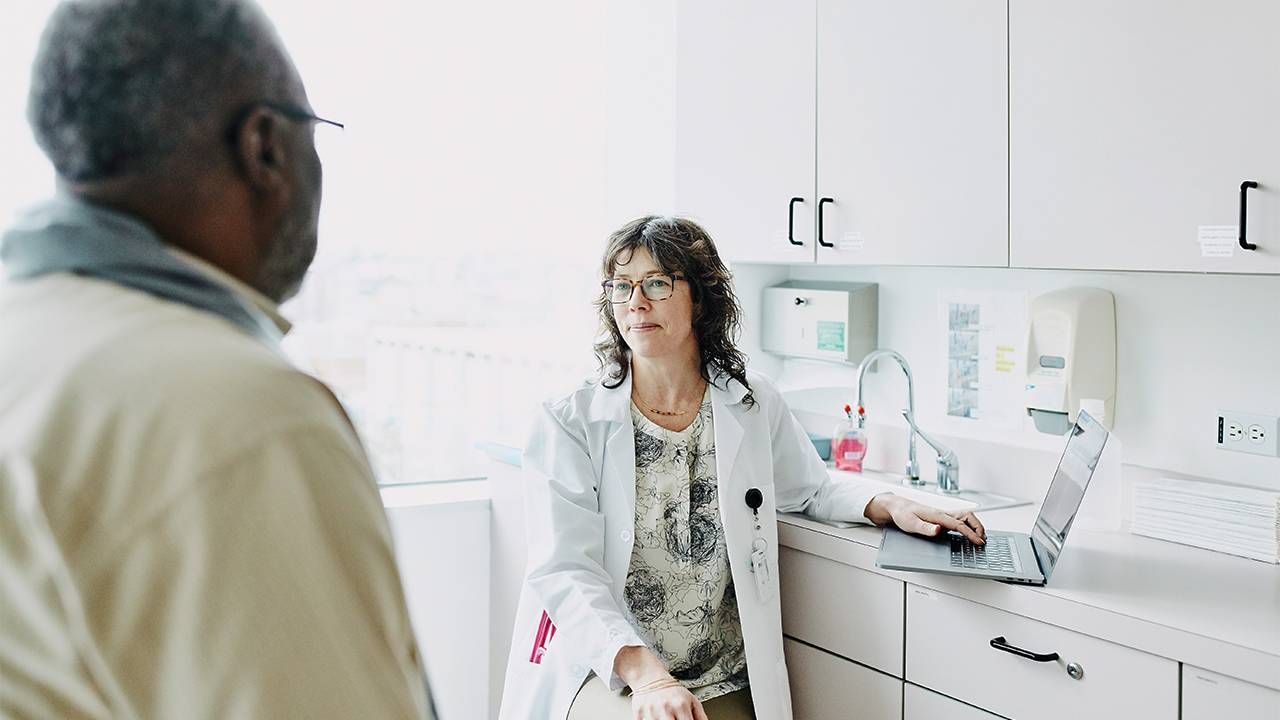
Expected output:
(286, 262)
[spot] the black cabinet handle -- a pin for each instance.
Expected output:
(791, 220)
(822, 242)
(1244, 213)
(1000, 644)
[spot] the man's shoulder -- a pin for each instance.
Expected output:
(208, 379)
(94, 346)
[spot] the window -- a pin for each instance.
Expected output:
(466, 208)
(25, 176)
(462, 219)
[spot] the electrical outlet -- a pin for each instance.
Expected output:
(1235, 431)
(1246, 432)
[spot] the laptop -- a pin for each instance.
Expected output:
(1011, 557)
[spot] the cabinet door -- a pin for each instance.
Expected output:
(913, 132)
(1207, 695)
(921, 704)
(1133, 125)
(827, 687)
(818, 597)
(745, 125)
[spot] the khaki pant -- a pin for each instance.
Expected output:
(596, 702)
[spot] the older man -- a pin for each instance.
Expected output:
(188, 525)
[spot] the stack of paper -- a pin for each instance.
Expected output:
(1225, 518)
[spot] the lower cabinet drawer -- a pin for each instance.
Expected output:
(1208, 696)
(949, 649)
(827, 687)
(851, 612)
(921, 704)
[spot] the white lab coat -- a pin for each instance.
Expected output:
(580, 509)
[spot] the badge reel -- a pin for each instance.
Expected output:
(759, 548)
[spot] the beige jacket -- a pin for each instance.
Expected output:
(188, 525)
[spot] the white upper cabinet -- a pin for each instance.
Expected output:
(1133, 125)
(744, 125)
(913, 132)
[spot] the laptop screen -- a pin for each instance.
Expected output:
(1079, 460)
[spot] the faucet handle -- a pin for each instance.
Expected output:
(948, 473)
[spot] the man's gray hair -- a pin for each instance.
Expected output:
(119, 85)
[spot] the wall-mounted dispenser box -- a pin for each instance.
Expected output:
(1071, 358)
(821, 320)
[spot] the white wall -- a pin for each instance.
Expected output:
(1188, 345)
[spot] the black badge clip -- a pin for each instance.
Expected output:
(755, 499)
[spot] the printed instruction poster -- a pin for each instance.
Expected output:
(985, 344)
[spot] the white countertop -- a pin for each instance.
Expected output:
(1206, 609)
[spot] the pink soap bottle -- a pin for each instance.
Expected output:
(849, 442)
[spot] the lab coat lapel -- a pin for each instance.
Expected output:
(613, 406)
(726, 398)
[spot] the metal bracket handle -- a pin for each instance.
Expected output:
(791, 220)
(1244, 213)
(1000, 644)
(822, 242)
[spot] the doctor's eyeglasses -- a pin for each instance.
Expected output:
(654, 287)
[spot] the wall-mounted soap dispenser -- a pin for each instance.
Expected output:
(1071, 358)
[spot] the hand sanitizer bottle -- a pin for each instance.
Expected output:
(849, 442)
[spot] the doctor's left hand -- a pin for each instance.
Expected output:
(913, 517)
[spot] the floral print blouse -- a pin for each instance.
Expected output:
(679, 588)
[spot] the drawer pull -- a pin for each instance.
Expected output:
(1000, 644)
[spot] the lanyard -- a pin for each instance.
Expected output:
(759, 548)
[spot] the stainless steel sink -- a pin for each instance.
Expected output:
(929, 493)
(983, 500)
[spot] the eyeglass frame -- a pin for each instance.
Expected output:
(290, 112)
(607, 287)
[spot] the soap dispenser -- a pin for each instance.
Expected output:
(1071, 358)
(849, 441)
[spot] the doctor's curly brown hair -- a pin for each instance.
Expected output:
(679, 247)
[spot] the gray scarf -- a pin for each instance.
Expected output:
(69, 235)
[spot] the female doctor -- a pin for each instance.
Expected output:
(651, 506)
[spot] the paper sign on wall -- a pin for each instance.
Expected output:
(984, 341)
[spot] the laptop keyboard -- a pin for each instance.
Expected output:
(996, 555)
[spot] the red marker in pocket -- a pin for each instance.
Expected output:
(546, 631)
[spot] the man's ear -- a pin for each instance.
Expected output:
(261, 152)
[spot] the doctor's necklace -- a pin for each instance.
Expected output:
(667, 413)
(656, 411)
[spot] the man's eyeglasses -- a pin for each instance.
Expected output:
(654, 287)
(296, 113)
(292, 112)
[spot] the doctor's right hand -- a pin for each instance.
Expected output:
(665, 699)
(655, 695)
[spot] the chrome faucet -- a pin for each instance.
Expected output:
(948, 463)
